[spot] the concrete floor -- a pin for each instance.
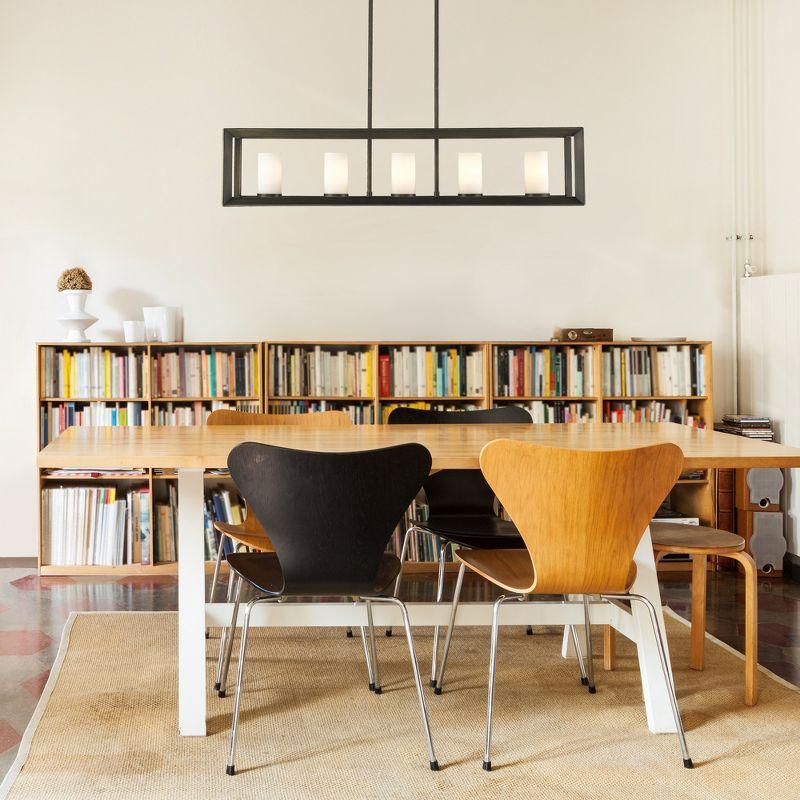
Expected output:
(33, 611)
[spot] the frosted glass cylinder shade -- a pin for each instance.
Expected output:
(335, 174)
(470, 173)
(537, 173)
(270, 174)
(404, 174)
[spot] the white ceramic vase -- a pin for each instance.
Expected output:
(76, 320)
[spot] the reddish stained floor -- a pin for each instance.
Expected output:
(33, 611)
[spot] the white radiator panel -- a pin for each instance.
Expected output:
(769, 369)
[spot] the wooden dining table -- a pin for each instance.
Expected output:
(191, 450)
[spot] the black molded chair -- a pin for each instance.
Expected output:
(462, 510)
(329, 517)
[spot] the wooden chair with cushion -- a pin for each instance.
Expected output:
(700, 542)
(581, 514)
(250, 533)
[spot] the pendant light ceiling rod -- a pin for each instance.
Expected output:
(370, 37)
(436, 96)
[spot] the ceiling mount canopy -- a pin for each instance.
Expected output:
(534, 170)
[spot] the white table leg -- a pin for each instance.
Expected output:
(656, 697)
(191, 605)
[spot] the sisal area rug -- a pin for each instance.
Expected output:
(106, 726)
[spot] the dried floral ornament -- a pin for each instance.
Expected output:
(74, 278)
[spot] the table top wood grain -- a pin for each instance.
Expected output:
(451, 446)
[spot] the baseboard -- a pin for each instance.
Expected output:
(791, 567)
(18, 562)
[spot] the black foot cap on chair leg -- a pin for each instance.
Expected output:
(529, 631)
(388, 631)
(216, 687)
(230, 770)
(687, 762)
(592, 690)
(208, 634)
(349, 634)
(221, 692)
(487, 765)
(432, 683)
(378, 690)
(435, 766)
(584, 681)
(372, 687)
(437, 689)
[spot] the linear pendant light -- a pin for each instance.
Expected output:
(534, 167)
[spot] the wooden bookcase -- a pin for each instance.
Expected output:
(693, 496)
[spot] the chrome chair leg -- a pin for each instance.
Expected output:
(226, 663)
(215, 577)
(376, 680)
(403, 554)
(578, 651)
(230, 768)
(367, 658)
(451, 624)
(487, 758)
(439, 595)
(665, 669)
(434, 764)
(589, 653)
(225, 633)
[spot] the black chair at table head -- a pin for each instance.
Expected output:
(461, 506)
(330, 517)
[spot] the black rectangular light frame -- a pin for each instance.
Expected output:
(574, 171)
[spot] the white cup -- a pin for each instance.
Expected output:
(134, 330)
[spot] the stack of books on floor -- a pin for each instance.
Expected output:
(746, 425)
(318, 372)
(427, 371)
(95, 525)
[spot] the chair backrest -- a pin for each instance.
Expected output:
(329, 515)
(581, 513)
(319, 419)
(459, 491)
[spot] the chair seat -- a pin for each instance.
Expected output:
(673, 537)
(263, 570)
(241, 535)
(511, 569)
(475, 530)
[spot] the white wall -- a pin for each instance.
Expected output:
(110, 157)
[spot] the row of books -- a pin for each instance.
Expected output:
(542, 372)
(426, 371)
(671, 371)
(318, 372)
(196, 412)
(94, 372)
(95, 525)
(650, 411)
(207, 373)
(359, 413)
(221, 505)
(55, 419)
(387, 408)
(747, 425)
(542, 411)
(165, 517)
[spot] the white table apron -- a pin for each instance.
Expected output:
(194, 614)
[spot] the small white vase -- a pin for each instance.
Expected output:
(76, 320)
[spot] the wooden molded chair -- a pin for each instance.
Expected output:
(326, 544)
(582, 514)
(701, 541)
(250, 532)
